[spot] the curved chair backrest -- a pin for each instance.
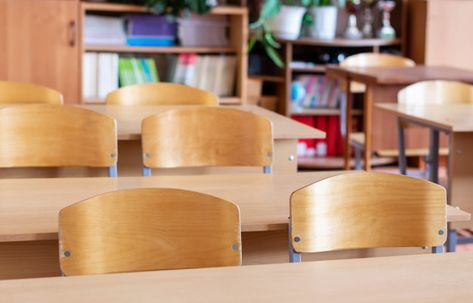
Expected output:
(148, 229)
(367, 210)
(56, 136)
(24, 93)
(436, 92)
(161, 94)
(376, 60)
(206, 136)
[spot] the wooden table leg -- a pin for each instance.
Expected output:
(348, 124)
(368, 112)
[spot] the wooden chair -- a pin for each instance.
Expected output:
(148, 229)
(367, 210)
(57, 136)
(206, 136)
(367, 60)
(25, 93)
(161, 94)
(429, 92)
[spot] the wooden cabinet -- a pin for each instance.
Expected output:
(440, 32)
(38, 44)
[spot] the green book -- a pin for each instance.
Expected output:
(152, 69)
(138, 71)
(126, 73)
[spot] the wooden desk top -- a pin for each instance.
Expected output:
(129, 120)
(400, 75)
(444, 277)
(451, 117)
(29, 207)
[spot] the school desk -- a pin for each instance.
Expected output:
(382, 85)
(456, 121)
(29, 213)
(418, 278)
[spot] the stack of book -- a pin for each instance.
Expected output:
(104, 30)
(99, 75)
(151, 30)
(134, 70)
(320, 92)
(211, 73)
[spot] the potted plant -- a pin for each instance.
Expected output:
(177, 7)
(323, 19)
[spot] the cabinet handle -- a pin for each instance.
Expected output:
(72, 33)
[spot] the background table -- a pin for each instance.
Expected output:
(383, 85)
(424, 278)
(29, 214)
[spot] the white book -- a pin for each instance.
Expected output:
(89, 76)
(219, 81)
(107, 74)
(197, 72)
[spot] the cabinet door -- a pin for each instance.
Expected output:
(38, 44)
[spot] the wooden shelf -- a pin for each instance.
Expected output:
(341, 42)
(309, 69)
(267, 78)
(127, 8)
(157, 50)
(322, 111)
(332, 163)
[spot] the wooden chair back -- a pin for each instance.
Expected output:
(373, 60)
(25, 93)
(206, 136)
(148, 229)
(56, 136)
(161, 94)
(436, 92)
(367, 210)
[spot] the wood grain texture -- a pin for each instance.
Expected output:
(436, 92)
(372, 210)
(148, 229)
(161, 94)
(30, 206)
(54, 136)
(24, 93)
(129, 121)
(422, 278)
(207, 136)
(373, 60)
(39, 44)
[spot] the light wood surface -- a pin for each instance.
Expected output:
(160, 94)
(129, 121)
(207, 136)
(423, 278)
(55, 135)
(148, 229)
(451, 117)
(30, 206)
(24, 93)
(376, 60)
(367, 210)
(435, 38)
(39, 44)
(436, 92)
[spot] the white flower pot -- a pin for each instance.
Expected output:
(287, 24)
(324, 25)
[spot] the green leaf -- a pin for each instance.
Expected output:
(274, 56)
(251, 43)
(268, 38)
(270, 8)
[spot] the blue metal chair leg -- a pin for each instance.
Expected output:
(433, 160)
(112, 171)
(402, 148)
(294, 257)
(147, 171)
(358, 156)
(267, 169)
(452, 240)
(437, 249)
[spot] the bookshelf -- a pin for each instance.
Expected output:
(293, 50)
(237, 34)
